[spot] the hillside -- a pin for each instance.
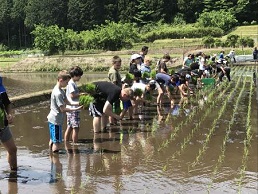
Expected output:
(177, 48)
(248, 31)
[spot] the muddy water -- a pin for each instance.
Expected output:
(157, 152)
(17, 83)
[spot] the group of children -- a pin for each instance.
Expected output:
(118, 96)
(106, 108)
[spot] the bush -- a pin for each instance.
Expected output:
(177, 32)
(246, 41)
(3, 47)
(220, 19)
(208, 41)
(51, 39)
(114, 36)
(232, 40)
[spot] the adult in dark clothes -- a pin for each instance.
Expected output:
(106, 94)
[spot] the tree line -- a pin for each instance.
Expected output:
(19, 18)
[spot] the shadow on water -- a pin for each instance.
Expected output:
(154, 153)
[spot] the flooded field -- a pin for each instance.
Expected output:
(207, 146)
(23, 83)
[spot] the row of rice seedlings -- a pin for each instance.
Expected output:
(213, 126)
(197, 126)
(226, 137)
(247, 141)
(187, 139)
(198, 95)
(190, 117)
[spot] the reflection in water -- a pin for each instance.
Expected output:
(12, 182)
(56, 174)
(74, 171)
(56, 168)
(23, 83)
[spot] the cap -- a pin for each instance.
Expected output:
(152, 84)
(187, 76)
(135, 56)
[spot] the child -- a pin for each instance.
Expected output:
(115, 77)
(57, 110)
(73, 94)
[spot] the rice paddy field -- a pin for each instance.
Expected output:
(206, 146)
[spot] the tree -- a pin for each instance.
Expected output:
(246, 10)
(221, 19)
(18, 17)
(5, 19)
(47, 12)
(51, 39)
(232, 40)
(190, 9)
(85, 14)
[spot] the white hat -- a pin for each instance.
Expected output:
(187, 76)
(135, 56)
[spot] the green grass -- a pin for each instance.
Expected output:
(6, 62)
(247, 31)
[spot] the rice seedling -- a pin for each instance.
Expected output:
(247, 140)
(145, 75)
(86, 100)
(129, 77)
(213, 126)
(153, 74)
(226, 137)
(138, 92)
(88, 88)
(197, 125)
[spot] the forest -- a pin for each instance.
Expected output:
(20, 18)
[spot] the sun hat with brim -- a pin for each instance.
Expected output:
(135, 56)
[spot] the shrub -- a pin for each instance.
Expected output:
(232, 40)
(208, 41)
(220, 19)
(51, 39)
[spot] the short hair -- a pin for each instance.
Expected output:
(147, 59)
(76, 71)
(166, 56)
(129, 92)
(144, 48)
(64, 75)
(116, 59)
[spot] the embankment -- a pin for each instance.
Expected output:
(31, 98)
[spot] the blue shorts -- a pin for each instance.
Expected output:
(127, 104)
(73, 119)
(55, 132)
(5, 134)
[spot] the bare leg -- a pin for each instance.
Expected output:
(11, 153)
(130, 112)
(55, 147)
(75, 134)
(104, 121)
(68, 133)
(97, 124)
